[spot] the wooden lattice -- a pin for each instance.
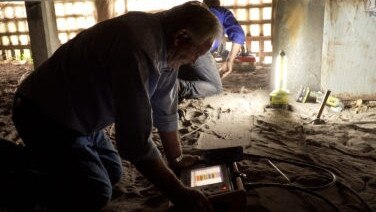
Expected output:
(256, 19)
(72, 16)
(14, 35)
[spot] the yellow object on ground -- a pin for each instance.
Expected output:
(306, 95)
(279, 97)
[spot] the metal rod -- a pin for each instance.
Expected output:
(238, 180)
(327, 93)
(278, 170)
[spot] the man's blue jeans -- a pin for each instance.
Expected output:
(200, 79)
(79, 170)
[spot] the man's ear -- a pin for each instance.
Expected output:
(182, 36)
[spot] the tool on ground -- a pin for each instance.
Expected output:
(306, 95)
(279, 96)
(318, 120)
(218, 177)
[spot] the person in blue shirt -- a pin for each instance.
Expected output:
(123, 71)
(203, 78)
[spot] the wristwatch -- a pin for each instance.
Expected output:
(179, 159)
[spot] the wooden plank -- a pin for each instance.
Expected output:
(15, 47)
(71, 31)
(254, 22)
(13, 33)
(250, 6)
(258, 38)
(6, 20)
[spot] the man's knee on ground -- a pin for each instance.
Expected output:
(210, 89)
(92, 199)
(219, 89)
(99, 202)
(116, 175)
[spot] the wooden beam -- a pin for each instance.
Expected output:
(42, 30)
(249, 6)
(12, 47)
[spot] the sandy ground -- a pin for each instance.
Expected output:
(345, 145)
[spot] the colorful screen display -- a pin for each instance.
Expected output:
(206, 176)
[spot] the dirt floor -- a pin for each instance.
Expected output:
(345, 146)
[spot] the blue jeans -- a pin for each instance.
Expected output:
(78, 171)
(200, 79)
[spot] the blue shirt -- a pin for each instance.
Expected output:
(231, 27)
(115, 71)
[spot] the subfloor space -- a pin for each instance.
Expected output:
(345, 146)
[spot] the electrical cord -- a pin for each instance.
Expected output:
(356, 194)
(306, 189)
(298, 163)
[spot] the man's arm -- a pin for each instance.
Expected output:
(236, 35)
(226, 67)
(133, 128)
(165, 106)
(173, 151)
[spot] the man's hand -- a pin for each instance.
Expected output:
(225, 69)
(171, 145)
(187, 161)
(192, 200)
(183, 198)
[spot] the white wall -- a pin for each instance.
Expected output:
(331, 44)
(349, 50)
(298, 29)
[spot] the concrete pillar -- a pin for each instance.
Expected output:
(105, 9)
(298, 30)
(42, 30)
(126, 6)
(349, 50)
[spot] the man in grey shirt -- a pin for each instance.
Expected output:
(122, 70)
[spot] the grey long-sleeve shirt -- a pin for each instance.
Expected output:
(115, 71)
